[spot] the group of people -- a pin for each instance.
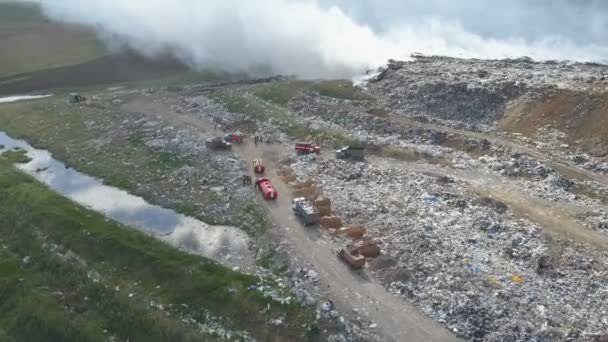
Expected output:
(247, 180)
(260, 140)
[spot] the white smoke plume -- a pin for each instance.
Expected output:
(340, 38)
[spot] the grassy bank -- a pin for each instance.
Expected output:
(68, 274)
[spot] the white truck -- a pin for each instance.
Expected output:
(305, 210)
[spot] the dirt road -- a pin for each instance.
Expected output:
(568, 170)
(397, 319)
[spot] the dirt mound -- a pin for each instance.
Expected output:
(356, 231)
(329, 222)
(581, 116)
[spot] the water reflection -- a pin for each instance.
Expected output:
(22, 98)
(225, 244)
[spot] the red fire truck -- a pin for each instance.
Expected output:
(267, 189)
(307, 148)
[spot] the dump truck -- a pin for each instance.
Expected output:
(218, 143)
(352, 256)
(259, 166)
(236, 137)
(266, 188)
(307, 148)
(305, 210)
(352, 152)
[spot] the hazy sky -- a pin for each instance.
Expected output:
(336, 38)
(580, 20)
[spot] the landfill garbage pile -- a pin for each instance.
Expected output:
(355, 117)
(596, 220)
(220, 175)
(535, 177)
(466, 261)
(475, 91)
(217, 112)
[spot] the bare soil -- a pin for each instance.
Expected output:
(583, 116)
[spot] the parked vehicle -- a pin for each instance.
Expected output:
(267, 189)
(307, 148)
(218, 143)
(308, 213)
(352, 152)
(236, 137)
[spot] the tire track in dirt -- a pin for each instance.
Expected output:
(568, 170)
(553, 217)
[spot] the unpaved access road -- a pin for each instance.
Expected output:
(397, 319)
(564, 168)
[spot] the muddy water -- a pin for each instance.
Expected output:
(227, 245)
(22, 98)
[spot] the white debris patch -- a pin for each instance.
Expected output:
(227, 244)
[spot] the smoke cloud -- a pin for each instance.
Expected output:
(341, 38)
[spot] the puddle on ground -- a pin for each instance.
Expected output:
(228, 245)
(22, 98)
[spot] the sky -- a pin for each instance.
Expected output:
(341, 38)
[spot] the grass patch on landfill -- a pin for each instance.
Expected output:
(16, 156)
(590, 192)
(112, 279)
(281, 92)
(264, 110)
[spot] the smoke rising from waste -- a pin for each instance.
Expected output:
(340, 38)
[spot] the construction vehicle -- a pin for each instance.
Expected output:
(352, 152)
(352, 256)
(307, 148)
(266, 188)
(75, 98)
(305, 210)
(218, 143)
(258, 166)
(236, 137)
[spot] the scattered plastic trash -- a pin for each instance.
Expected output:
(517, 279)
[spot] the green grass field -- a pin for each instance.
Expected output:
(30, 43)
(69, 274)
